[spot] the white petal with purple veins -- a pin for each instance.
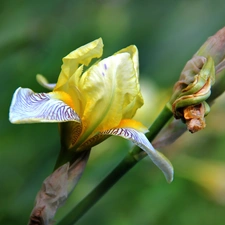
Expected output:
(30, 107)
(140, 140)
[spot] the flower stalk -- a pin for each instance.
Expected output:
(206, 72)
(101, 189)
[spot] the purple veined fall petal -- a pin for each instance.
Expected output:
(133, 131)
(30, 107)
(139, 139)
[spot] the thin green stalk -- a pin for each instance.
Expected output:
(68, 156)
(121, 169)
(79, 210)
(165, 115)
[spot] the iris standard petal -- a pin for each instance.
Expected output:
(107, 88)
(82, 55)
(130, 109)
(133, 51)
(30, 107)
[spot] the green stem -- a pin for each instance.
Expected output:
(121, 169)
(63, 158)
(160, 122)
(79, 210)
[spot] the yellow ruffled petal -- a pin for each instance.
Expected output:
(130, 109)
(133, 51)
(82, 55)
(108, 88)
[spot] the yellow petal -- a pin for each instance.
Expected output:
(108, 88)
(82, 55)
(30, 107)
(131, 108)
(133, 51)
(71, 88)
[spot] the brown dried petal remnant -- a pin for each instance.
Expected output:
(55, 190)
(194, 117)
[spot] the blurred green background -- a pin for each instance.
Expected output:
(35, 35)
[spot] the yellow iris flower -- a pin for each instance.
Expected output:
(91, 104)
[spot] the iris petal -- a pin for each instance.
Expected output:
(107, 88)
(141, 141)
(133, 131)
(30, 107)
(131, 108)
(82, 55)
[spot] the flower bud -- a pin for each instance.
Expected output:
(191, 92)
(188, 101)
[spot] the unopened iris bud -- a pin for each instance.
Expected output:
(188, 101)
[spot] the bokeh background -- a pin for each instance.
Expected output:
(35, 35)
